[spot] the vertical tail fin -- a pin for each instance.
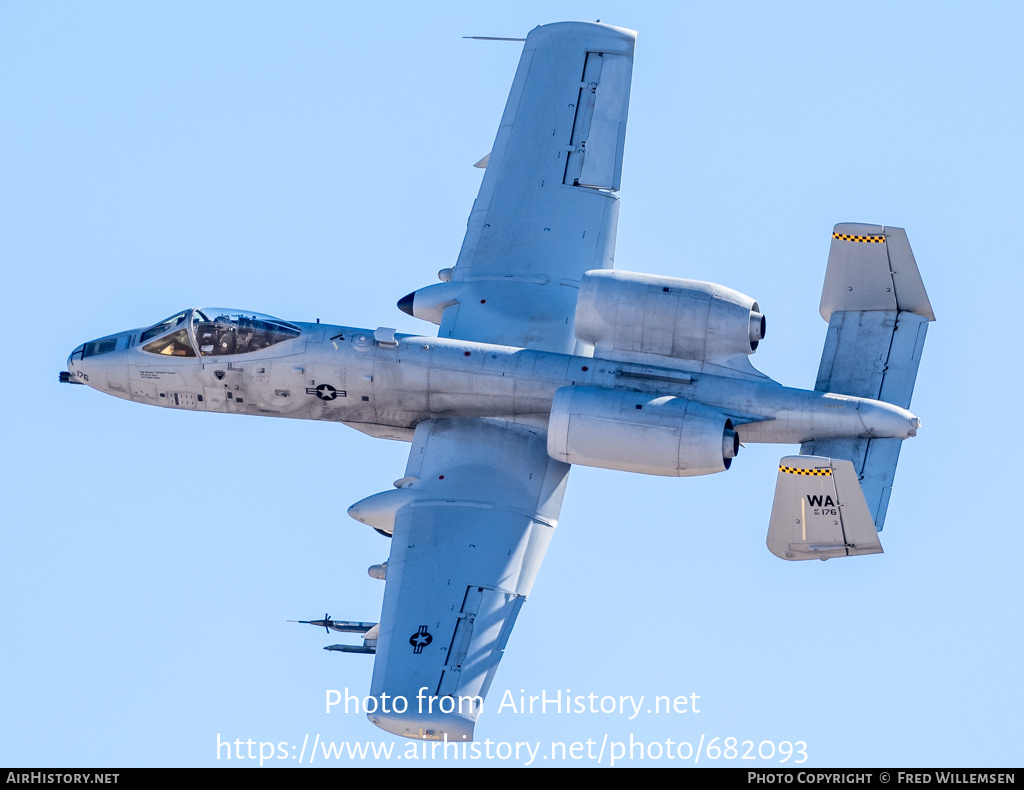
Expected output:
(819, 511)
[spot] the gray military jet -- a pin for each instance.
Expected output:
(545, 357)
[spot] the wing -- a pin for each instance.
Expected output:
(480, 499)
(472, 522)
(546, 211)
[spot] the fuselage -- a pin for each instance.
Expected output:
(385, 384)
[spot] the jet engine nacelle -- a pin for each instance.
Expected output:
(639, 432)
(666, 316)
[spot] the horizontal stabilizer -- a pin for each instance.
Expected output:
(819, 511)
(874, 462)
(878, 312)
(872, 355)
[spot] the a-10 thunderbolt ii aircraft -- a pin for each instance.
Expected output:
(547, 357)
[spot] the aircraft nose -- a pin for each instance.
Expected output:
(70, 374)
(76, 354)
(101, 364)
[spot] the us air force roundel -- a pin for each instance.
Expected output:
(420, 640)
(326, 392)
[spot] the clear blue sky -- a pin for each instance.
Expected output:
(313, 160)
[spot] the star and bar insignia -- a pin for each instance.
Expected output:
(326, 392)
(420, 640)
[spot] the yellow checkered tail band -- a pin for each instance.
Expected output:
(792, 470)
(867, 239)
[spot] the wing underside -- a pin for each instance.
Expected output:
(547, 210)
(481, 504)
(480, 498)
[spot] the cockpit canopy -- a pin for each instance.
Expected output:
(215, 332)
